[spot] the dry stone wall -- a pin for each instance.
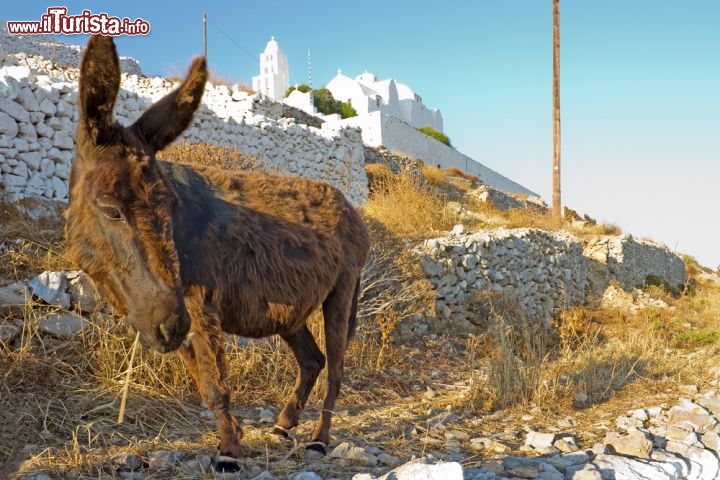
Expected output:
(544, 272)
(630, 261)
(38, 116)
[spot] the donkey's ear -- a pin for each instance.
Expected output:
(99, 84)
(165, 120)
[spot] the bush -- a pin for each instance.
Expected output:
(302, 88)
(326, 104)
(440, 137)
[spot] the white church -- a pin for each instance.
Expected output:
(365, 92)
(389, 114)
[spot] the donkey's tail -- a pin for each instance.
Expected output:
(352, 319)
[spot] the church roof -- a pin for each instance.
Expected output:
(272, 45)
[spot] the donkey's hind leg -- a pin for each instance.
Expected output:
(310, 362)
(339, 311)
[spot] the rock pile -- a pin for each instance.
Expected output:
(72, 292)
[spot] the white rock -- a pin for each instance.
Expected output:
(28, 100)
(65, 109)
(164, 459)
(51, 287)
(62, 171)
(12, 181)
(47, 168)
(8, 125)
(704, 465)
(27, 131)
(538, 440)
(9, 86)
(32, 159)
(60, 188)
(21, 170)
(14, 109)
(348, 451)
(625, 468)
(48, 107)
(306, 476)
(63, 325)
(419, 470)
(63, 140)
(20, 73)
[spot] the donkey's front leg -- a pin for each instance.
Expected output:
(204, 355)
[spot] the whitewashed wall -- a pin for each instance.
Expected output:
(396, 135)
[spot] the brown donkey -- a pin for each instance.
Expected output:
(186, 252)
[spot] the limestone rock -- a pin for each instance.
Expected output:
(348, 451)
(635, 444)
(51, 287)
(164, 459)
(421, 470)
(8, 125)
(64, 325)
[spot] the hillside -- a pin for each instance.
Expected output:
(505, 396)
(495, 340)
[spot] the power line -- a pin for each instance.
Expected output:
(233, 41)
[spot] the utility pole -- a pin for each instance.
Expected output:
(205, 35)
(556, 202)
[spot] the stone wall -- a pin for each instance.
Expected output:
(544, 272)
(630, 261)
(38, 115)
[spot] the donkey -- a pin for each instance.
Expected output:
(186, 252)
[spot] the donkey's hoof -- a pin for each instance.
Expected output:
(225, 464)
(315, 451)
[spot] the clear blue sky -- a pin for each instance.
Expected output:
(640, 86)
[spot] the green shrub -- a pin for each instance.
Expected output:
(303, 88)
(347, 110)
(440, 137)
(326, 104)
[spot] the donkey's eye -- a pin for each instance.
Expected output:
(110, 211)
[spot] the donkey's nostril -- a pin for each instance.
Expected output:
(165, 333)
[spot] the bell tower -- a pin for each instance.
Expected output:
(273, 80)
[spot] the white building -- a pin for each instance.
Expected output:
(367, 94)
(273, 80)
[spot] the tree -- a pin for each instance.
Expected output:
(556, 201)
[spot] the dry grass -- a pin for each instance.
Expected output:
(226, 157)
(456, 172)
(434, 176)
(602, 355)
(29, 247)
(407, 208)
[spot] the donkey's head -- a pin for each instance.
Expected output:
(119, 221)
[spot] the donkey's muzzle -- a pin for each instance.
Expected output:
(166, 336)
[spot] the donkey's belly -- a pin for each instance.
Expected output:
(266, 319)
